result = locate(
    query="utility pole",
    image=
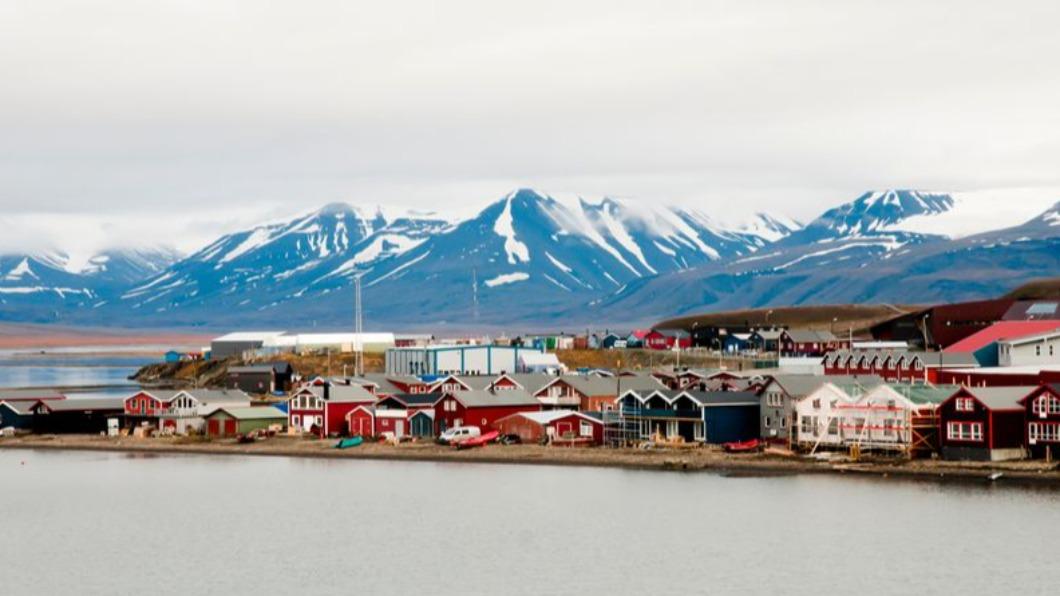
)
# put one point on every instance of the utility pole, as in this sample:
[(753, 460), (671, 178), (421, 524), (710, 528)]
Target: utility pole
[(358, 328)]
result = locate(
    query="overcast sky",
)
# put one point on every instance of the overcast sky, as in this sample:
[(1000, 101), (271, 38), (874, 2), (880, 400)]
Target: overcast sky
[(173, 121)]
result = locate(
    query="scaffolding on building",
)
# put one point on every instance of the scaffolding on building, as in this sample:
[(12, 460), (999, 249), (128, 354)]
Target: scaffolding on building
[(622, 425)]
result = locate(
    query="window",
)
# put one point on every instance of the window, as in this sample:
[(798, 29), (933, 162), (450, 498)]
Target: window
[(833, 426), (817, 404), (806, 425), (296, 420), (965, 404), (767, 422), (585, 429), (1044, 431), (783, 423), (964, 431), (888, 428), (1046, 404), (1037, 350)]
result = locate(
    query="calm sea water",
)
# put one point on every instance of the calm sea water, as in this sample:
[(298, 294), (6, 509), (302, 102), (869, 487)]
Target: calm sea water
[(87, 523), (84, 372)]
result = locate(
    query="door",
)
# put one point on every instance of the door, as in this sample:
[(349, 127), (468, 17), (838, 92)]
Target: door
[(399, 428), (421, 426), (230, 427), (213, 428), (362, 427), (564, 429)]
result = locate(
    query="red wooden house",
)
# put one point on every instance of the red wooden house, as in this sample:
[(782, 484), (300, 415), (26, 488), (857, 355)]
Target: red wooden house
[(983, 424), (322, 409), (1042, 414), (667, 339), (590, 393), (480, 408), (809, 342), (396, 414), (145, 406), (557, 427)]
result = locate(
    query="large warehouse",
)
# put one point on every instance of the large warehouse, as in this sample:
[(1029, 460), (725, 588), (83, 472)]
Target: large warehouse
[(465, 360)]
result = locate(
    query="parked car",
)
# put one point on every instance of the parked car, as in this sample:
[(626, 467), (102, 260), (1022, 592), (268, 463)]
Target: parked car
[(459, 433)]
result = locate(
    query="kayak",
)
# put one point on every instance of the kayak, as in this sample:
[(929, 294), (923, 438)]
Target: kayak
[(350, 442), (741, 446), (478, 441)]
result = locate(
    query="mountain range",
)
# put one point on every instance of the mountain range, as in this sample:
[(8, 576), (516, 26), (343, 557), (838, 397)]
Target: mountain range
[(534, 259)]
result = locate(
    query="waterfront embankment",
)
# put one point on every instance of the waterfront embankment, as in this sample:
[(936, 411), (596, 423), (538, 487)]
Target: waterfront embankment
[(706, 459)]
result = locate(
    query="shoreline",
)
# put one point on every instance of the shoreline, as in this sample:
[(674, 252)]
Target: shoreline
[(670, 460)]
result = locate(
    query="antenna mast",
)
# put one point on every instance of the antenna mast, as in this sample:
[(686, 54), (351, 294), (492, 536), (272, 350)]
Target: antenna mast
[(474, 293)]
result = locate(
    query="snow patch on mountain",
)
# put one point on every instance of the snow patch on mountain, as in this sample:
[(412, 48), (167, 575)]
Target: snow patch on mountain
[(507, 278), (21, 271), (517, 251), (770, 228)]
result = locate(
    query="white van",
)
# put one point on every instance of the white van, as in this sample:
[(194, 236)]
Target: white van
[(459, 433)]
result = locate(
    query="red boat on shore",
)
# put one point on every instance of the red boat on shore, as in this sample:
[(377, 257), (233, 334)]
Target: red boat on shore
[(741, 446), (478, 441)]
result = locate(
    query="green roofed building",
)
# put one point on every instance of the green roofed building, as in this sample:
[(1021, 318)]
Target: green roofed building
[(232, 421)]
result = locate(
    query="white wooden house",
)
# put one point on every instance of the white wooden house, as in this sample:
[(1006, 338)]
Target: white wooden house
[(819, 417)]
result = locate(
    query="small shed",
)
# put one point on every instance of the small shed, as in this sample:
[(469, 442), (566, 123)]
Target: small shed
[(173, 356), (228, 422)]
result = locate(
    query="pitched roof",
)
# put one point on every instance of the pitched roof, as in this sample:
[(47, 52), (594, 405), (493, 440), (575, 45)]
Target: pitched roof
[(29, 394), (507, 397), (21, 408), (999, 331), (678, 333), (417, 399), (1000, 398), (530, 382), (549, 416), (804, 336), (725, 398), (769, 334), (924, 394), (251, 413), (85, 404), (1033, 338), (802, 385), (216, 396)]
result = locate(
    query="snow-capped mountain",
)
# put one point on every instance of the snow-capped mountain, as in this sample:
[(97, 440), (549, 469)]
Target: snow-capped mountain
[(275, 263), (532, 257), (41, 286), (872, 264), (545, 249)]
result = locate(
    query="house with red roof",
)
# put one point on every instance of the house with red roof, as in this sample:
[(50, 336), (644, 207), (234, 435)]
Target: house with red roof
[(984, 344)]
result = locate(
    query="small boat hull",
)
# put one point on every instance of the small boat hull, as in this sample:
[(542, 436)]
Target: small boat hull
[(742, 446), (351, 442), (478, 441)]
